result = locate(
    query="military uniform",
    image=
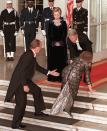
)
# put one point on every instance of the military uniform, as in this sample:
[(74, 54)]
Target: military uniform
[(80, 18), (28, 21), (47, 16), (9, 24)]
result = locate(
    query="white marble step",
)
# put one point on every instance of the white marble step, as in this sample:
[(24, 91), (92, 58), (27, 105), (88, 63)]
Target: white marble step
[(4, 128), (79, 113), (98, 95), (97, 104), (78, 126), (88, 120)]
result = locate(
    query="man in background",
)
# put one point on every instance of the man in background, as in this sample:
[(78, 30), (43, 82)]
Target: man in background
[(9, 26), (29, 22), (77, 43), (80, 18), (47, 16)]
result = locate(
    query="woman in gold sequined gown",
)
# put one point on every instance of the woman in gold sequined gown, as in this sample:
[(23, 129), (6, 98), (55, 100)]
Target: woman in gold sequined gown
[(71, 77)]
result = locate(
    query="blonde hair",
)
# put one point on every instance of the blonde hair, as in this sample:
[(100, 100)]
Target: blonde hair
[(57, 9), (86, 56)]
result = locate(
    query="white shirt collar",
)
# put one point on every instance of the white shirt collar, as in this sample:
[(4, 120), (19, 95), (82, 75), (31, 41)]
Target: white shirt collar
[(9, 10), (51, 8), (77, 41), (78, 8), (30, 9), (34, 53), (78, 45)]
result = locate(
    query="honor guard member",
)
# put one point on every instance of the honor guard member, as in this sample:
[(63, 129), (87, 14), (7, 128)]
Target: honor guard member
[(80, 17), (9, 26), (29, 22), (47, 15)]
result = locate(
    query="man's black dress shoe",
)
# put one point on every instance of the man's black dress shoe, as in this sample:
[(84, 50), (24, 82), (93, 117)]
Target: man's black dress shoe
[(41, 114), (21, 126)]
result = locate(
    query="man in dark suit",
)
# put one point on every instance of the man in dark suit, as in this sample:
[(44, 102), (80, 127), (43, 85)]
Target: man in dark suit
[(77, 43), (9, 26), (29, 22), (21, 84), (80, 17)]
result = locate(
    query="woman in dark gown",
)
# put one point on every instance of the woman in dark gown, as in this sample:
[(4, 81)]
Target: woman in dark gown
[(71, 77), (57, 51)]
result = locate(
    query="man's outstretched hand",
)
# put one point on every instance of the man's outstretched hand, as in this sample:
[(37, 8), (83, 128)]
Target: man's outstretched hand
[(53, 73)]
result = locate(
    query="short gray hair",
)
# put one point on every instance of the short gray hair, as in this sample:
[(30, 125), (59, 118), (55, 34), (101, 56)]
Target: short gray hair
[(72, 32)]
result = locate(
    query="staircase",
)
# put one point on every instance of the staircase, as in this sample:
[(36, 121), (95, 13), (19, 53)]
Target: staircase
[(89, 112)]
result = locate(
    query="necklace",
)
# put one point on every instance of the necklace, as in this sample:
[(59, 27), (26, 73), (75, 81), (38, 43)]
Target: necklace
[(57, 22)]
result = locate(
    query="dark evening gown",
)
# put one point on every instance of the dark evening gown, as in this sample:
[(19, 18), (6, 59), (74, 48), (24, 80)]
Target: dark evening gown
[(57, 48), (71, 77)]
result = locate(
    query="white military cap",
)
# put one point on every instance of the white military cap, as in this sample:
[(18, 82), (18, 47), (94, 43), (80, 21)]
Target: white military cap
[(9, 1)]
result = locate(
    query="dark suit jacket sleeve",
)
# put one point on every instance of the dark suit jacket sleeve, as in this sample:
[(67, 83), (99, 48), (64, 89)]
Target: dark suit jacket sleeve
[(26, 59), (73, 16), (86, 43), (40, 68), (72, 50), (86, 20), (37, 14), (17, 22), (22, 18), (43, 20), (1, 21)]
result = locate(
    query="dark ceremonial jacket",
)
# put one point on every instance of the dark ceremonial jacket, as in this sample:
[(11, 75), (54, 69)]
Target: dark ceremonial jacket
[(80, 19), (29, 21), (46, 17), (7, 19)]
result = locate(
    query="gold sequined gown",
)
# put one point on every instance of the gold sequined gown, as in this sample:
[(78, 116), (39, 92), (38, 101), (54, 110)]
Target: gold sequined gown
[(71, 77)]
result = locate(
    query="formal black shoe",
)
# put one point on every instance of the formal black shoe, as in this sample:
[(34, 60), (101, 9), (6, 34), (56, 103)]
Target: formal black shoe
[(70, 114), (21, 126), (41, 114)]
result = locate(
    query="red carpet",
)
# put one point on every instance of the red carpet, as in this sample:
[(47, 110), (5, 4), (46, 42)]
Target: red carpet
[(98, 77)]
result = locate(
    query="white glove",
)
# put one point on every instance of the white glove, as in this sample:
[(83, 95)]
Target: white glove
[(43, 32), (1, 33), (84, 32), (22, 32), (16, 33)]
